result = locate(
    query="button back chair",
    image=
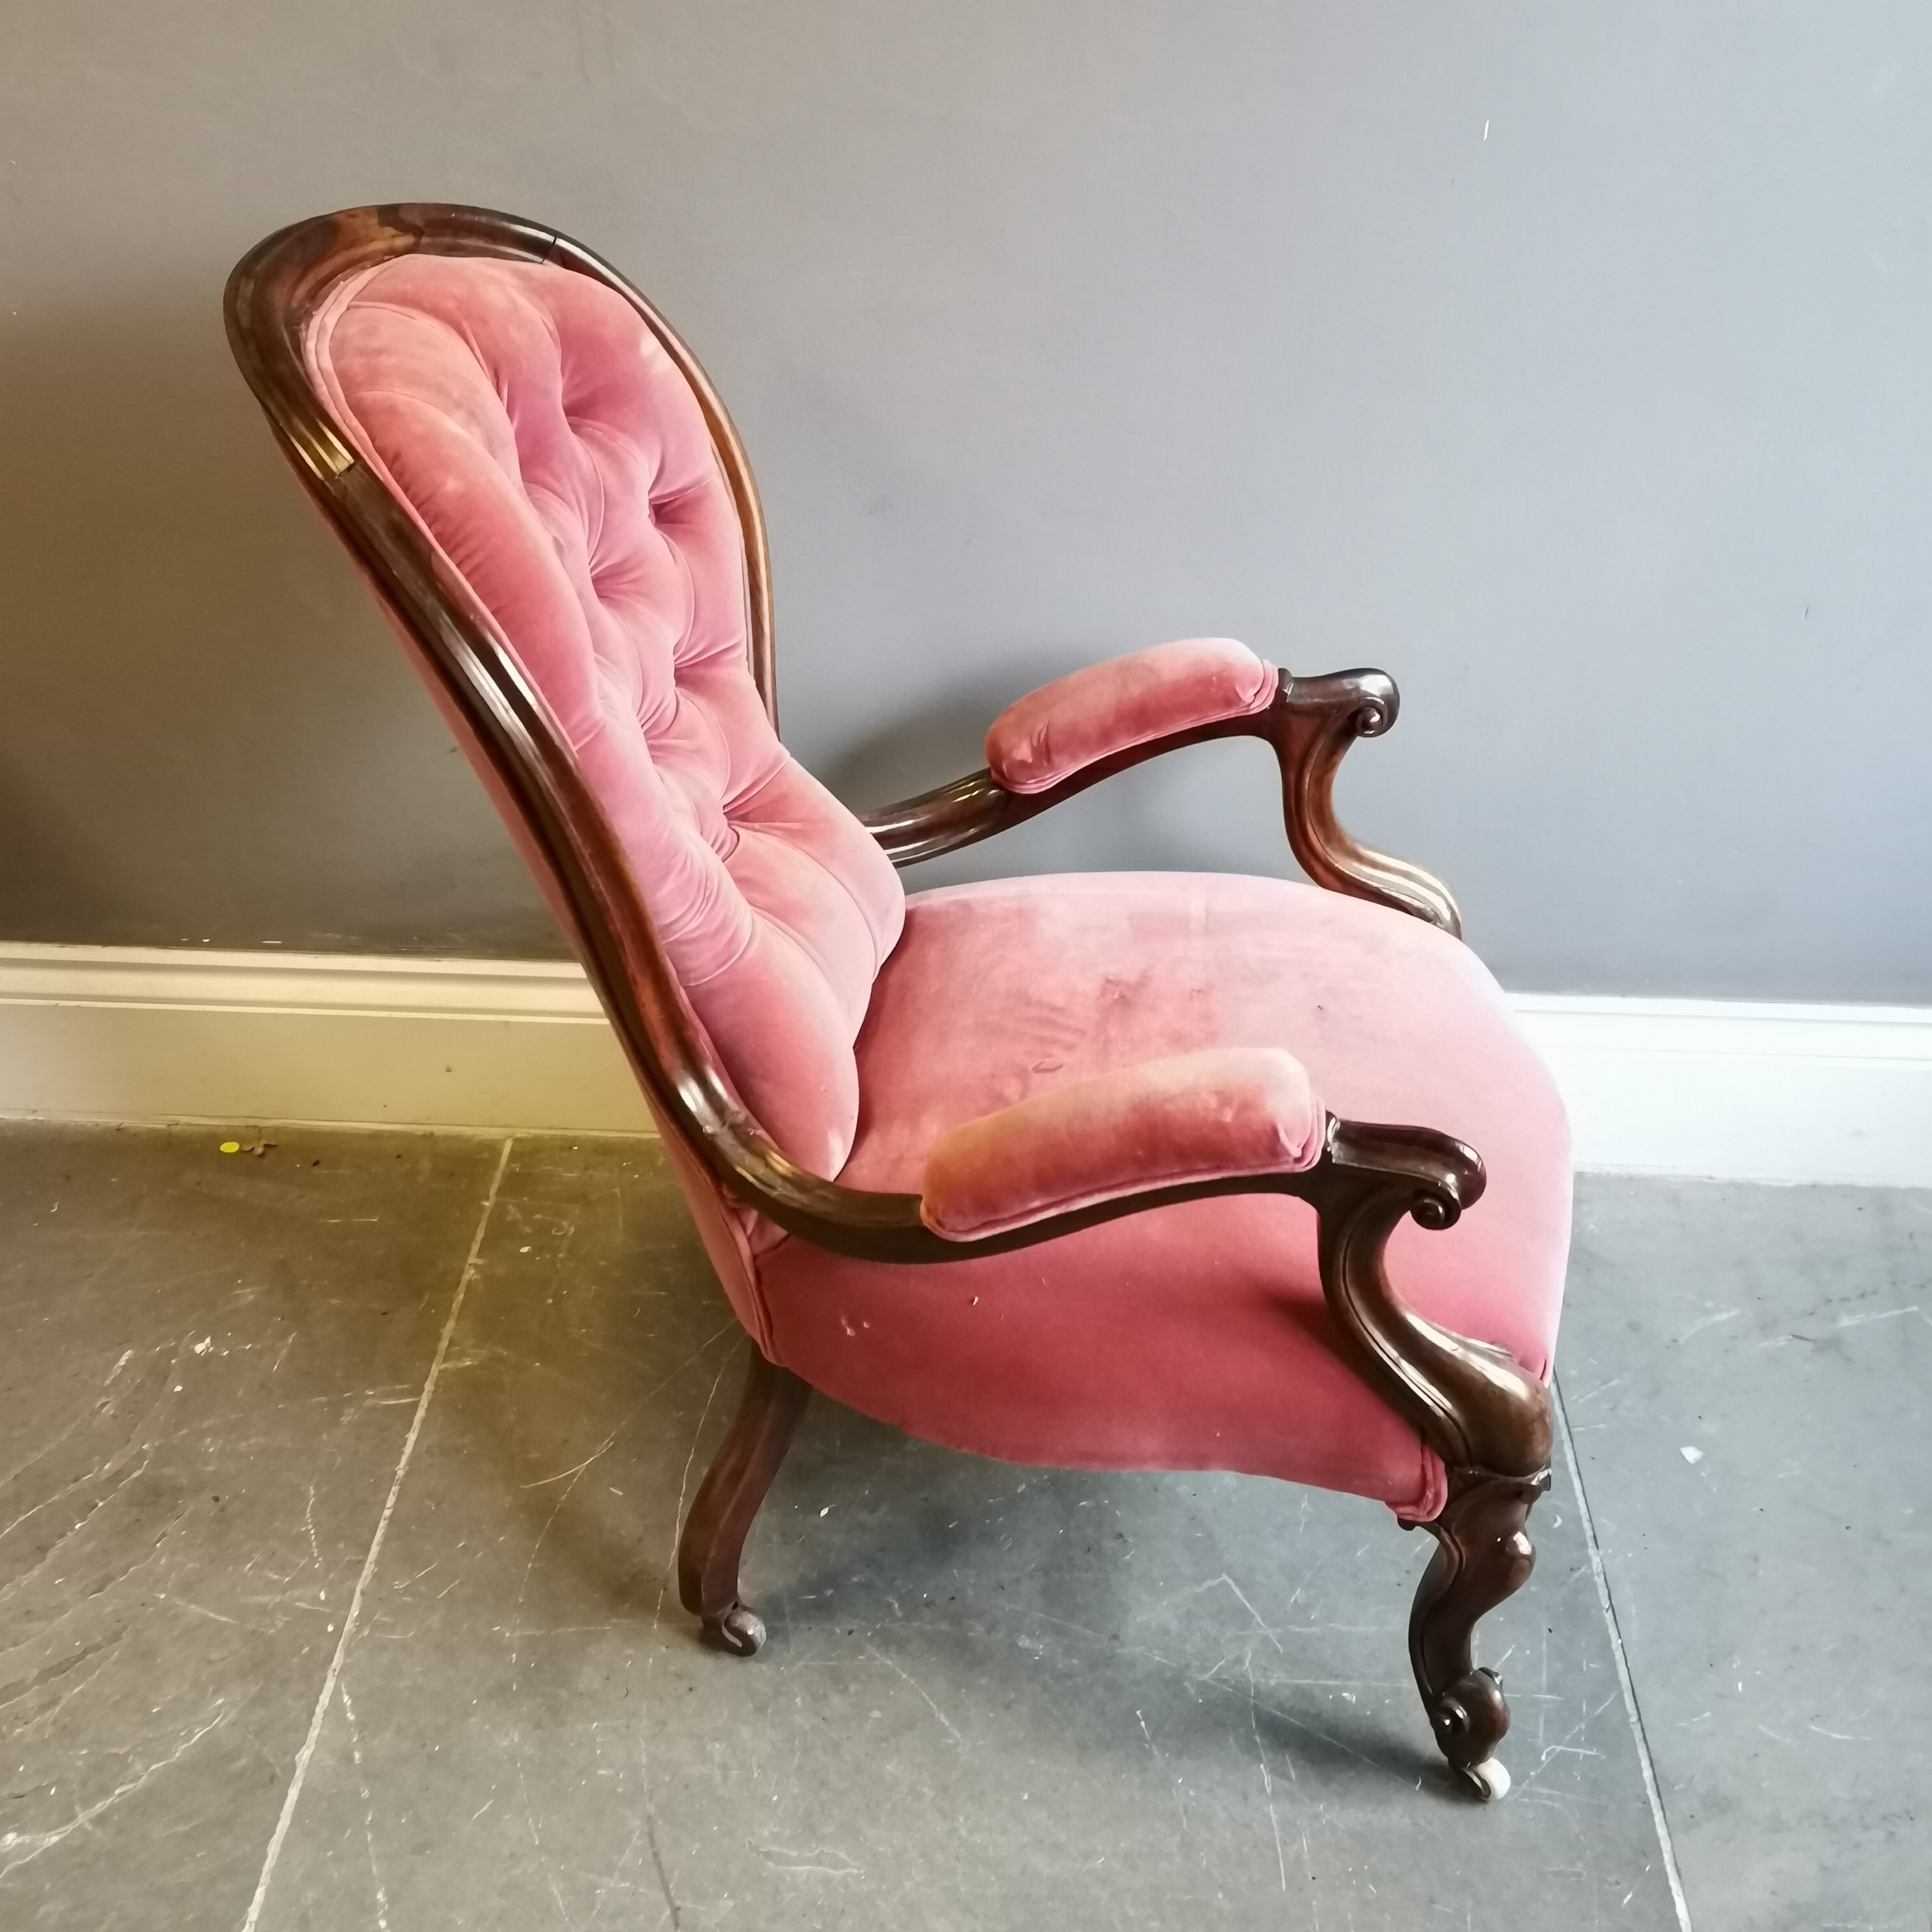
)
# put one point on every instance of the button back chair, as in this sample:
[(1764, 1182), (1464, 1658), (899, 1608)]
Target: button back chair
[(1072, 1171)]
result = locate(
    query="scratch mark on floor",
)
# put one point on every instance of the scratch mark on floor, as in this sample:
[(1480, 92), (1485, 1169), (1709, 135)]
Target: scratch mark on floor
[(897, 1672), (369, 1812), (812, 1861), (1241, 1598), (1600, 1576), (28, 1845), (1267, 1780), (1709, 1321), (305, 1756)]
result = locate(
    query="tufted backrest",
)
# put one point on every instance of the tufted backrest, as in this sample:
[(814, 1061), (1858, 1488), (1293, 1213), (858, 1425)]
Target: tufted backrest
[(543, 437)]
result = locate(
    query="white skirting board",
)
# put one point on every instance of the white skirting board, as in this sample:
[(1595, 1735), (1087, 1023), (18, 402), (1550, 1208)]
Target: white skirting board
[(138, 1034), (1732, 1088), (1741, 1089)]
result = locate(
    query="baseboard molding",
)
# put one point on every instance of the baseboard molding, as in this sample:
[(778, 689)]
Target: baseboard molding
[(1728, 1089), (135, 1034), (1742, 1090)]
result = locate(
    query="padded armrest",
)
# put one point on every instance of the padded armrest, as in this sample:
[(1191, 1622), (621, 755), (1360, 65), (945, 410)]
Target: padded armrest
[(1200, 1117), (1056, 731)]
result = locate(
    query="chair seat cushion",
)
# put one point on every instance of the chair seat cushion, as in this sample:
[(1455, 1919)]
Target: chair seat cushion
[(1194, 1336)]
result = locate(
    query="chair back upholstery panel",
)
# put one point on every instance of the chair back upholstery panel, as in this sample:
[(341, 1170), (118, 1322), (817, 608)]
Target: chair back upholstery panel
[(538, 431)]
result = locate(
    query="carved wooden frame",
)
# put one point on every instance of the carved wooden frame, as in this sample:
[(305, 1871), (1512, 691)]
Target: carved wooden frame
[(1488, 1420)]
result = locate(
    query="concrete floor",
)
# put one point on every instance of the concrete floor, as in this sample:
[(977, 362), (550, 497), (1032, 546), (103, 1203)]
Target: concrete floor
[(340, 1483)]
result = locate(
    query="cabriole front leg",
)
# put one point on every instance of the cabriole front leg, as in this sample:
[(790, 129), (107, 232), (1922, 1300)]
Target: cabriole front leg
[(1486, 1417), (1483, 1554)]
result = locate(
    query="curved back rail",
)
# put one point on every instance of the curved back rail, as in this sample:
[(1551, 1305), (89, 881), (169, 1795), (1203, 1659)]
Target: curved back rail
[(274, 292)]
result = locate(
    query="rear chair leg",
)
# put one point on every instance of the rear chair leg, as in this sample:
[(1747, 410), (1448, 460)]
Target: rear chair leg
[(1483, 1554), (729, 1497)]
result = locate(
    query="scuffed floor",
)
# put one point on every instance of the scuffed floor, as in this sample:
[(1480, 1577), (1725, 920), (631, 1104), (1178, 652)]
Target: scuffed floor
[(339, 1488)]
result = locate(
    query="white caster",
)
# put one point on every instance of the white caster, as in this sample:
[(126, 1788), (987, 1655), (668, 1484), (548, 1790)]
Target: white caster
[(1489, 1780)]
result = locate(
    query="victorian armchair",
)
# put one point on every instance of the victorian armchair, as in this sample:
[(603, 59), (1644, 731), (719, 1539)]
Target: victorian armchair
[(1078, 1171)]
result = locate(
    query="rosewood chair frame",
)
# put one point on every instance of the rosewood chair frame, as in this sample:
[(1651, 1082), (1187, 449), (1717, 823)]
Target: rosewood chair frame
[(1487, 1419)]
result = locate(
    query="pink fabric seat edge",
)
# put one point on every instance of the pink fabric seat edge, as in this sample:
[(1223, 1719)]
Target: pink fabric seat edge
[(1075, 721)]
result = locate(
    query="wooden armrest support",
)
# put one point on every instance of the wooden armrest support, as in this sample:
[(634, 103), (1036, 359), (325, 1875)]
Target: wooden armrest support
[(1310, 723), (1469, 1400)]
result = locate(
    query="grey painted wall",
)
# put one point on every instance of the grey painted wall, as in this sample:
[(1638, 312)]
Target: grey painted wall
[(1571, 363)]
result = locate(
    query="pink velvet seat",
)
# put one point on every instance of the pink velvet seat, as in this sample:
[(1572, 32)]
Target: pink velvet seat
[(1083, 1171), (1195, 1336)]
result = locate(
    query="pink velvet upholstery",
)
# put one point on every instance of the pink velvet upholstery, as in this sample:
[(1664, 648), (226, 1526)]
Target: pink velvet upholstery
[(1075, 721), (544, 441), (1198, 1117), (547, 443), (1195, 1336)]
